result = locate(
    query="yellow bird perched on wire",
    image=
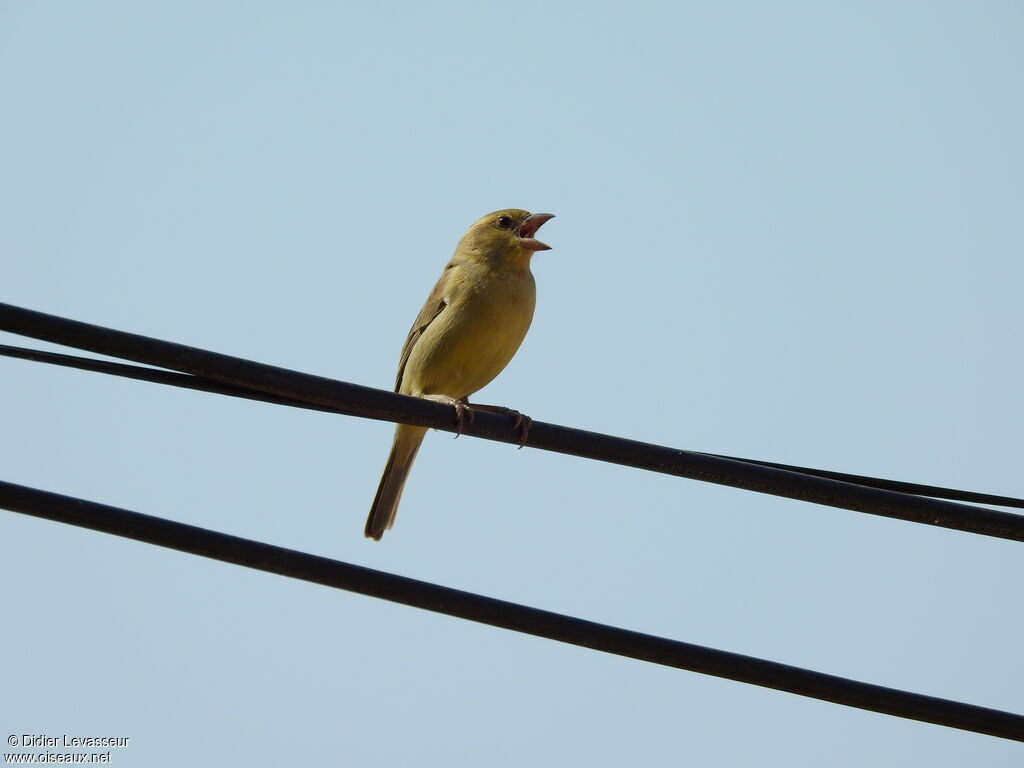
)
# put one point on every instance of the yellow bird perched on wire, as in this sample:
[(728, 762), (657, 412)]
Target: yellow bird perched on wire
[(472, 324)]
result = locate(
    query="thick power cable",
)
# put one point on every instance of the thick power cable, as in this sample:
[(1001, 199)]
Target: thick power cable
[(160, 376), (498, 613), (379, 404)]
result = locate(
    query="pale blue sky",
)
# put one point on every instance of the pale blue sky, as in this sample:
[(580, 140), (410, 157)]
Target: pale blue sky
[(789, 231)]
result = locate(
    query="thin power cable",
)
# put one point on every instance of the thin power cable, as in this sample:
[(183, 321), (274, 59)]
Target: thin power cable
[(160, 376), (388, 406), (901, 486), (512, 616)]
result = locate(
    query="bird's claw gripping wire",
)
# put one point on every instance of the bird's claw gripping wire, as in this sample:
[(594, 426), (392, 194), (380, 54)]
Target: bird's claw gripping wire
[(463, 412), (522, 421)]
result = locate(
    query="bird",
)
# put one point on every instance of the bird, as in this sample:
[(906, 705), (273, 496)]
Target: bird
[(472, 324)]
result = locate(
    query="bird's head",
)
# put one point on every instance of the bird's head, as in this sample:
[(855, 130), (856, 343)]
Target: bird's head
[(506, 237)]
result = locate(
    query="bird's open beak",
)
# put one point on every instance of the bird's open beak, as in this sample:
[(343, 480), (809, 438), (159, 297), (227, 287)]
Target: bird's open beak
[(529, 228)]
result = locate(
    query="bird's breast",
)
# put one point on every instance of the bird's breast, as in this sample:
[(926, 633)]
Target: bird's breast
[(469, 343)]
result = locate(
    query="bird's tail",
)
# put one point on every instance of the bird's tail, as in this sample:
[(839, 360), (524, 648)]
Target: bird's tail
[(389, 492)]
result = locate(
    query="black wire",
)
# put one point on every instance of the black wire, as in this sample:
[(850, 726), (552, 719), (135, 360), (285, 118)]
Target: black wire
[(498, 613), (901, 486), (379, 404), (156, 376), (159, 376)]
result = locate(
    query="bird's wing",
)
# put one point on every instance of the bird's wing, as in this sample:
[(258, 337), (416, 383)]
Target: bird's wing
[(436, 302)]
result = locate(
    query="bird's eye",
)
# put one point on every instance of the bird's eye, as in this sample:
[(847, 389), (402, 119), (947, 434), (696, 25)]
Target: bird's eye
[(504, 222)]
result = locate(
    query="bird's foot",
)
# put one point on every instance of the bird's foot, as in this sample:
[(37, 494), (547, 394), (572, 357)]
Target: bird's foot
[(522, 421), (463, 412)]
